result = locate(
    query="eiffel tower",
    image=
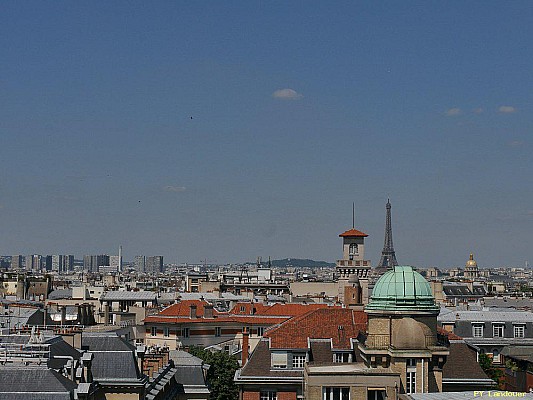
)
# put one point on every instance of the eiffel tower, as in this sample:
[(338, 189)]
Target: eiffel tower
[(388, 256)]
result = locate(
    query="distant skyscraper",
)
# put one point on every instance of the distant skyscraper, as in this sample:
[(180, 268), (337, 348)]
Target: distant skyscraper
[(62, 263), (115, 262), (91, 263), (16, 262), (139, 263), (47, 263), (388, 255), (33, 262), (154, 264)]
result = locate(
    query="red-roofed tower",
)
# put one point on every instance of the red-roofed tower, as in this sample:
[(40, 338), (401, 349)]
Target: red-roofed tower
[(353, 269)]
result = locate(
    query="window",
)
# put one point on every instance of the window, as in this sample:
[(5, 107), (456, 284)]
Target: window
[(154, 331), (376, 394), (341, 357), (410, 381), (495, 355), (243, 308), (166, 332), (218, 331), (336, 393), (268, 395), (279, 360), (353, 249), (519, 331), (497, 330), (298, 360), (260, 330), (477, 330), (185, 332)]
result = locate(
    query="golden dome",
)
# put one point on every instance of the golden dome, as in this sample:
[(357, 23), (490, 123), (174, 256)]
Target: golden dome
[(471, 262)]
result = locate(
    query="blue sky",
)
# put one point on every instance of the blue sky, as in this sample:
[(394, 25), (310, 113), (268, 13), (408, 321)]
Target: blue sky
[(231, 130)]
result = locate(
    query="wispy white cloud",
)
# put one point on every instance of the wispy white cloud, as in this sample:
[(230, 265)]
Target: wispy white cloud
[(453, 111), (287, 94), (507, 109), (175, 189), (516, 143), (478, 110)]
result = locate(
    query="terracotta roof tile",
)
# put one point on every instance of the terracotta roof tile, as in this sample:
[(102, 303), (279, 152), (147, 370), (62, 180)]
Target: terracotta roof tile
[(291, 309), (353, 233), (339, 324), (248, 308), (449, 335), (182, 309)]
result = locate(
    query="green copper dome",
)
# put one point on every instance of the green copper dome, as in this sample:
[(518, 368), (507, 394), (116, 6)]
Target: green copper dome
[(402, 288)]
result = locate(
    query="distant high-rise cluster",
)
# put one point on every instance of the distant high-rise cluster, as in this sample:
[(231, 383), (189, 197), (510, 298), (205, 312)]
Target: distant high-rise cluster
[(154, 264), (92, 263), (62, 263), (139, 263)]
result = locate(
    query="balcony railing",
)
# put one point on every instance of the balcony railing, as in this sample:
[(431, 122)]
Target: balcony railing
[(353, 263), (378, 341)]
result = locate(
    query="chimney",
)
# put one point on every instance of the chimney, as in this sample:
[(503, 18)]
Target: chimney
[(192, 313), (245, 345), (208, 311), (106, 313), (63, 315)]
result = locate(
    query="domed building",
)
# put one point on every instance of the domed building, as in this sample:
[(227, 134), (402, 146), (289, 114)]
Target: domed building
[(402, 331), (471, 269)]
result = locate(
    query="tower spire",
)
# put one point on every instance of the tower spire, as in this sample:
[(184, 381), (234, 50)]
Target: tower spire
[(388, 255)]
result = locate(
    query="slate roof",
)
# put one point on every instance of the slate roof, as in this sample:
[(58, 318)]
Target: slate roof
[(114, 358), (486, 316), (122, 295), (34, 382), (259, 364), (60, 294), (321, 352), (183, 358), (114, 365), (462, 363), (526, 303), (104, 342)]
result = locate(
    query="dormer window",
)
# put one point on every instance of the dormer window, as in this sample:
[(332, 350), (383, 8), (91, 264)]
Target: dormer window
[(341, 357), (279, 360), (298, 361)]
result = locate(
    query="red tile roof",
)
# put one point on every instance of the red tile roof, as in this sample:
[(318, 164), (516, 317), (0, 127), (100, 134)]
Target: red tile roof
[(250, 320), (291, 309), (338, 324), (182, 309), (353, 233), (248, 308), (449, 335)]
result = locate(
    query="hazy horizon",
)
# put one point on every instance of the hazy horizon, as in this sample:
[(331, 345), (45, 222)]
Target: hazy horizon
[(230, 130)]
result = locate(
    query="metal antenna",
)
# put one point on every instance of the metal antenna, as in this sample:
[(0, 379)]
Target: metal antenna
[(353, 215)]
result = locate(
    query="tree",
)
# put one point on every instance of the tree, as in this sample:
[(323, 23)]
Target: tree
[(221, 373), (492, 372)]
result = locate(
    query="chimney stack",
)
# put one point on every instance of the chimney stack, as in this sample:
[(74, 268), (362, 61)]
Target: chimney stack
[(192, 314), (208, 311), (245, 345)]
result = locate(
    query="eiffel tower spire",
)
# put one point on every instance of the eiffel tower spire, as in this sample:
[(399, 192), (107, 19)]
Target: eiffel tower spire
[(388, 256)]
